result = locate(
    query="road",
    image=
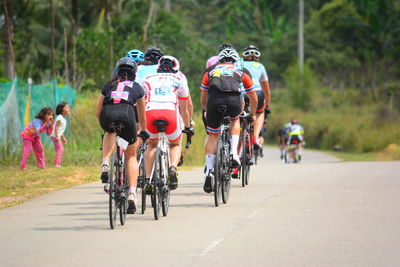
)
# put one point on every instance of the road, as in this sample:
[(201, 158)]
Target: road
[(321, 212)]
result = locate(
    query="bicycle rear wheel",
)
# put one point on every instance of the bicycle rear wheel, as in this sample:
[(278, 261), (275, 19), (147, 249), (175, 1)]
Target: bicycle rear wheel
[(113, 203), (218, 174), (142, 184), (156, 194), (244, 167)]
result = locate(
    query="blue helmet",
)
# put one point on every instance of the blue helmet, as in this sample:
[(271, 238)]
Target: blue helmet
[(136, 55)]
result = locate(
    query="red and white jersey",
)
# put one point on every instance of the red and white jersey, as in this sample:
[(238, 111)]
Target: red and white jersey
[(164, 89)]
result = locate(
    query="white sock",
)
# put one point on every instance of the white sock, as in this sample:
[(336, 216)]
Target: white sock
[(234, 144), (132, 190), (210, 160), (106, 161)]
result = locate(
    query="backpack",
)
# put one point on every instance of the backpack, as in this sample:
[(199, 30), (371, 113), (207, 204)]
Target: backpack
[(225, 78)]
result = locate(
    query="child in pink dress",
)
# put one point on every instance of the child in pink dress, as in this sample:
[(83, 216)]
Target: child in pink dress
[(57, 136), (31, 138)]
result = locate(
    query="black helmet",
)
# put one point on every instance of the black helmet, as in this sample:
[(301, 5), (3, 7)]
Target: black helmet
[(153, 54), (251, 51), (223, 46), (126, 68)]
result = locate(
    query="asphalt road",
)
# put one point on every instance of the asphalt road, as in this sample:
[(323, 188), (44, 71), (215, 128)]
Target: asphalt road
[(321, 212)]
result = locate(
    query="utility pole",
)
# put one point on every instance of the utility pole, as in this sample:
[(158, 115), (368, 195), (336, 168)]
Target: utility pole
[(301, 35)]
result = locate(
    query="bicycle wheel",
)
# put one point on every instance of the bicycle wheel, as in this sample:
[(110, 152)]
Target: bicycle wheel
[(113, 205), (244, 167), (250, 153), (226, 184), (218, 174), (156, 194), (124, 190), (142, 183), (165, 191)]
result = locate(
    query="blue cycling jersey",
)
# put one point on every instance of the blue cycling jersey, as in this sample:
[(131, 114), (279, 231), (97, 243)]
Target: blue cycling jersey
[(145, 70), (257, 71)]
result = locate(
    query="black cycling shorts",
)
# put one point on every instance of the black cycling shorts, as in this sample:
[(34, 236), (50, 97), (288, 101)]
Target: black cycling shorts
[(214, 119), (261, 102), (123, 113), (294, 139)]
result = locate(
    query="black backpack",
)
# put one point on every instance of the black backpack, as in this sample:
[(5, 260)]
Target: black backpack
[(225, 80)]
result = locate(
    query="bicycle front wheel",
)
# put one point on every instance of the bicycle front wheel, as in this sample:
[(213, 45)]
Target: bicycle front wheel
[(113, 203), (156, 194), (124, 190)]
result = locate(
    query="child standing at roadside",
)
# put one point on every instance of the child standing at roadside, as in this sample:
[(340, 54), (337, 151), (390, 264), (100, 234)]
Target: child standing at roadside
[(31, 138), (57, 136)]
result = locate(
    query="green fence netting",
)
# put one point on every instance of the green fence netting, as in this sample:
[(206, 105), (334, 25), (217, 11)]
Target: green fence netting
[(19, 104)]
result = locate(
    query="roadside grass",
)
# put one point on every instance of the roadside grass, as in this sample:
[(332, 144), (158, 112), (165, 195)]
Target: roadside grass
[(19, 186)]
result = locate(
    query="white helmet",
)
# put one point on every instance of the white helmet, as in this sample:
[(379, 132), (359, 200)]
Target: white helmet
[(169, 61), (228, 54)]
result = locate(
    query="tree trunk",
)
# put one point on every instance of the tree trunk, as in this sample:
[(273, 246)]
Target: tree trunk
[(75, 31), (168, 5), (149, 19), (10, 60), (66, 67), (52, 37)]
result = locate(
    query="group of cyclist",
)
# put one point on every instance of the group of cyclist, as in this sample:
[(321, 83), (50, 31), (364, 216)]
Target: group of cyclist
[(149, 86), (291, 141)]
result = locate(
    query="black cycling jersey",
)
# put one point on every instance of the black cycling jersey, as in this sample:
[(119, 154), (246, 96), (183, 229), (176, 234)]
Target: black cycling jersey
[(130, 93)]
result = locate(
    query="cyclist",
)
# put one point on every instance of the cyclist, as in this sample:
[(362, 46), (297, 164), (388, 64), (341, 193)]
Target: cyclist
[(283, 137), (213, 95), (296, 132), (167, 97), (135, 55), (115, 104), (259, 75)]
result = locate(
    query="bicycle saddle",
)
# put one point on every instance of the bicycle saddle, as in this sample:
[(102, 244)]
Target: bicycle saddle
[(160, 124)]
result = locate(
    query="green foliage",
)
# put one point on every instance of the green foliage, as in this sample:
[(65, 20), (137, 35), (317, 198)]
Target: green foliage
[(301, 86)]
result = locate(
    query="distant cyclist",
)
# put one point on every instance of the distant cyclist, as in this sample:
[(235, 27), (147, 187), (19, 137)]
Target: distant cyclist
[(259, 75), (214, 95), (283, 137), (296, 132), (167, 99), (115, 105), (134, 54)]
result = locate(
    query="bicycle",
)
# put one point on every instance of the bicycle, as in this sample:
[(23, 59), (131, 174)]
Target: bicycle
[(160, 195), (142, 182), (246, 147), (118, 183), (222, 167)]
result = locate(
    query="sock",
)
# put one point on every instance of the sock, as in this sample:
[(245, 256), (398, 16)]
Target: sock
[(234, 144), (210, 160), (106, 161), (132, 190)]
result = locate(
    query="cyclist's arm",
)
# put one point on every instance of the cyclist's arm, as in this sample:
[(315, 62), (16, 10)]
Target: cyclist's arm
[(99, 105), (204, 91), (251, 92), (267, 92), (141, 107), (184, 108)]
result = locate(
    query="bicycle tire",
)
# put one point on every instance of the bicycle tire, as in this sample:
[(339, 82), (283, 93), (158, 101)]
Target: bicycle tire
[(165, 193), (113, 206), (226, 185), (124, 187), (244, 166), (218, 174), (156, 196), (142, 183), (250, 152)]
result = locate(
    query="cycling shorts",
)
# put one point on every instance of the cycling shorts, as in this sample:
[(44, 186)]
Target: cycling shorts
[(120, 113), (295, 139), (261, 100), (174, 128), (213, 117)]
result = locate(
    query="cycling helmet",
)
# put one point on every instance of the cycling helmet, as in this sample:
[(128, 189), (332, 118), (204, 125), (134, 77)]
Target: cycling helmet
[(153, 54), (136, 55), (126, 68), (223, 46), (168, 64), (228, 55), (294, 121), (251, 51)]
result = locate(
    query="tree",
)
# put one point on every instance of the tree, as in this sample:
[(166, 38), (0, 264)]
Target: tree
[(8, 24)]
